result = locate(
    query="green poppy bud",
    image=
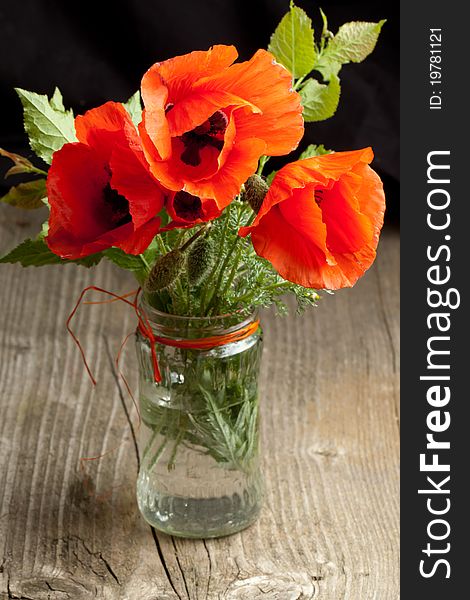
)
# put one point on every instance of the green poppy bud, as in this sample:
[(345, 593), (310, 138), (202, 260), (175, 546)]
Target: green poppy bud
[(256, 189), (200, 259), (165, 271)]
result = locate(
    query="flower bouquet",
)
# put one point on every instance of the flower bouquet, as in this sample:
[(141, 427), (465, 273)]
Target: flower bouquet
[(179, 192)]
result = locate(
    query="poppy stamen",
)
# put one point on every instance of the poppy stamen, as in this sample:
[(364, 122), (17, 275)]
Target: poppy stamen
[(206, 134), (187, 206), (116, 207)]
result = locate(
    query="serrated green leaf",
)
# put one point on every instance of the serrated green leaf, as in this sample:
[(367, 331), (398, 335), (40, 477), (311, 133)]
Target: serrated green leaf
[(319, 100), (134, 108), (139, 265), (292, 43), (353, 43), (87, 261), (314, 150), (31, 253), (57, 102), (48, 128), (36, 253), (123, 260), (28, 196)]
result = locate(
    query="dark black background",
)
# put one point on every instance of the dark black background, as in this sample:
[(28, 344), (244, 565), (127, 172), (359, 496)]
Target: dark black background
[(98, 50)]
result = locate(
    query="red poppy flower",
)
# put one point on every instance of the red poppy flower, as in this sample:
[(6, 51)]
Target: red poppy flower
[(320, 221), (187, 210), (207, 121), (100, 189)]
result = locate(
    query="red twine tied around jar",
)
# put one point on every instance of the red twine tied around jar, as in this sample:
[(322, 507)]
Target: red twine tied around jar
[(146, 330)]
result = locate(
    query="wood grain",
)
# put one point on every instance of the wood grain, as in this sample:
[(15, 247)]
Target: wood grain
[(329, 529)]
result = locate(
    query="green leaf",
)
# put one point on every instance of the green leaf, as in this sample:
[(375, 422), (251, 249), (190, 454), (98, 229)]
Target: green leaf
[(36, 253), (319, 100), (27, 195), (31, 253), (353, 43), (134, 108), (152, 252), (57, 102), (47, 126), (123, 260), (292, 43), (324, 19), (314, 150), (270, 177), (87, 261)]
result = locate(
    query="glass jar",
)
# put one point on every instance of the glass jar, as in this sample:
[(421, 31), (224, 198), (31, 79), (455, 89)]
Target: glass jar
[(199, 444)]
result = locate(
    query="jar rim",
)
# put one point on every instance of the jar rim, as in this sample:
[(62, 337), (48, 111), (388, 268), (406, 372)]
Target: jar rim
[(216, 322)]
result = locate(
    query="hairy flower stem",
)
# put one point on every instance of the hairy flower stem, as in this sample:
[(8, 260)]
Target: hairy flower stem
[(144, 262), (214, 300), (161, 244), (262, 163), (231, 277), (194, 237), (213, 272), (179, 285), (228, 256), (188, 294)]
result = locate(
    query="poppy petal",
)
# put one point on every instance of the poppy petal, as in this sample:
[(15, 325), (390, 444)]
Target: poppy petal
[(132, 179), (154, 129), (139, 240), (239, 164), (182, 72), (75, 185), (105, 126), (200, 105), (170, 82), (268, 86), (348, 229), (291, 254), (135, 242)]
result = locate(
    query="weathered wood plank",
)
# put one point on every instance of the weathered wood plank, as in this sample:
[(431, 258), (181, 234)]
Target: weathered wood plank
[(330, 434)]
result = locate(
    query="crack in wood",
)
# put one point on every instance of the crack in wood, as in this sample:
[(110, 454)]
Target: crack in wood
[(86, 565), (163, 561), (210, 568), (180, 568), (108, 567), (11, 595)]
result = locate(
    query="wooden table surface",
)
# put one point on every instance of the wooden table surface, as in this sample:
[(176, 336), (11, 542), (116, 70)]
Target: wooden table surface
[(329, 528)]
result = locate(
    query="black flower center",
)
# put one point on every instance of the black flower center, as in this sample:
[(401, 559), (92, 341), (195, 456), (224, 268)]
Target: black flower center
[(209, 133), (187, 206), (116, 207)]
